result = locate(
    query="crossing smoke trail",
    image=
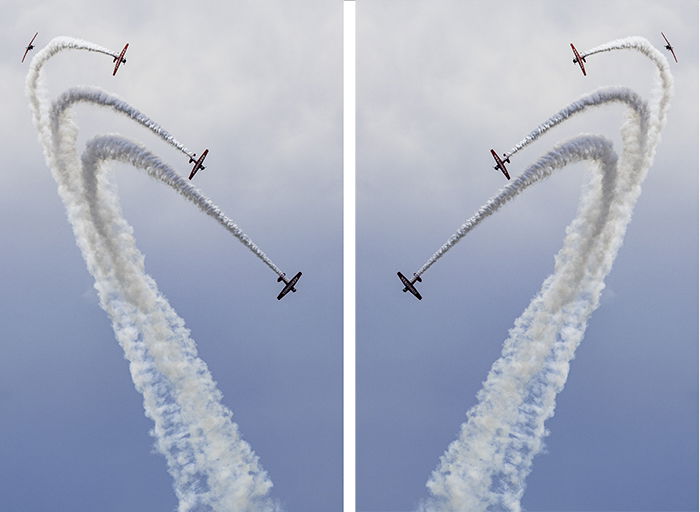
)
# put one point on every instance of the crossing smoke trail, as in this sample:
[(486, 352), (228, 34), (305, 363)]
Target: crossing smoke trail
[(597, 98), (212, 467), (217, 457), (96, 96), (58, 115), (56, 45), (662, 93), (485, 468), (637, 111)]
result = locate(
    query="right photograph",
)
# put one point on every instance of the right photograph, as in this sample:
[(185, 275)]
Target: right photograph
[(527, 256)]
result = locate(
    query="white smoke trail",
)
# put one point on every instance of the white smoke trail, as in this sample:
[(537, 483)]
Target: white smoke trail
[(200, 431), (596, 98), (96, 96), (212, 467), (58, 115), (485, 468), (33, 81), (482, 456), (638, 113)]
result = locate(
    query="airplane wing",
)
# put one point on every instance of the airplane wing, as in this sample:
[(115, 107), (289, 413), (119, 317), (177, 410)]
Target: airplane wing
[(669, 47), (29, 46), (578, 59), (120, 59)]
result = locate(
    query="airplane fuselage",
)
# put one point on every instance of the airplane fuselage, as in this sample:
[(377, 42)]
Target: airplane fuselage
[(578, 59), (500, 165), (198, 164), (288, 284), (119, 59), (409, 285)]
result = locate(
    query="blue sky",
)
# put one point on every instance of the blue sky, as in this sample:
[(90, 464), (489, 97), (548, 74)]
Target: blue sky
[(259, 84), (439, 84)]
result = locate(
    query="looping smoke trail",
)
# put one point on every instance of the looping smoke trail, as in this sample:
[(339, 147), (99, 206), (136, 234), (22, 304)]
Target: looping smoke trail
[(59, 114), (212, 467), (486, 467), (118, 149), (56, 45), (596, 98), (664, 91), (641, 45), (638, 112), (585, 146), (99, 97)]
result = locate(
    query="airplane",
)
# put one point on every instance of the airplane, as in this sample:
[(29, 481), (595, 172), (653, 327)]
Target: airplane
[(120, 59), (670, 48), (288, 284), (29, 46), (501, 164), (408, 285), (198, 164), (578, 59)]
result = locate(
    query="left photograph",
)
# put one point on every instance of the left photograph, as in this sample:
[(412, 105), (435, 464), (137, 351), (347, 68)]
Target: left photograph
[(172, 267)]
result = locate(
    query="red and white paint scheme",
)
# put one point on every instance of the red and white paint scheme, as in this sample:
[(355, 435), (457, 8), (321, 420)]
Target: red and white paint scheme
[(120, 59)]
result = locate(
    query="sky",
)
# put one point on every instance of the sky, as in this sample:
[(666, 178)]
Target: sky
[(259, 85), (439, 84)]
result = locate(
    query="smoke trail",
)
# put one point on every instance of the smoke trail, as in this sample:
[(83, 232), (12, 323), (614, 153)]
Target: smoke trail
[(58, 115), (596, 98), (664, 90), (212, 467), (481, 470), (96, 96), (33, 82), (200, 429), (485, 468), (638, 113)]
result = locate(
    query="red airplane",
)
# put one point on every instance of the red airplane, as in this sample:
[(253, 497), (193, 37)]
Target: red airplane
[(29, 46), (288, 285), (501, 164), (120, 59), (578, 59), (198, 164), (670, 48), (408, 285)]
